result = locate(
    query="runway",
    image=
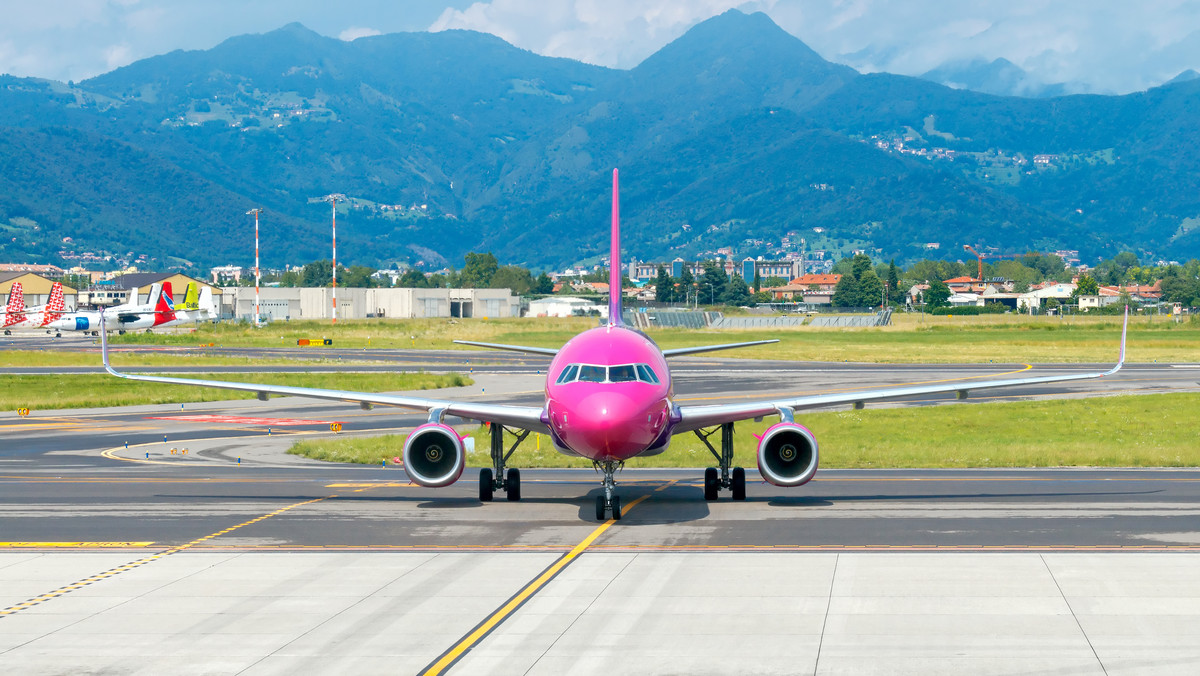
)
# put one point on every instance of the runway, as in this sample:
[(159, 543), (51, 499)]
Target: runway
[(118, 562)]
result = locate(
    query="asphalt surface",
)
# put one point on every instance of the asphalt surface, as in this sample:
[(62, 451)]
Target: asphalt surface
[(122, 556)]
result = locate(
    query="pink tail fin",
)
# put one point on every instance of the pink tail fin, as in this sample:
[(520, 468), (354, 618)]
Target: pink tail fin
[(614, 262)]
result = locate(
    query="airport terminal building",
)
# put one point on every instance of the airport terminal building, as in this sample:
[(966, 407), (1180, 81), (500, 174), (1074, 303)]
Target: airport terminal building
[(285, 303)]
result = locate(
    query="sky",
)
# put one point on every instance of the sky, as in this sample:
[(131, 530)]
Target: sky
[(1104, 46)]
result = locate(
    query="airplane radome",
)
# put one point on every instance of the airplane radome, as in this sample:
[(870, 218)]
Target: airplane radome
[(609, 398)]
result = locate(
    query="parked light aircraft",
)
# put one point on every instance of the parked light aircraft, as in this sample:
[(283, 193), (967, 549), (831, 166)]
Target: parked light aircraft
[(608, 398), (17, 316)]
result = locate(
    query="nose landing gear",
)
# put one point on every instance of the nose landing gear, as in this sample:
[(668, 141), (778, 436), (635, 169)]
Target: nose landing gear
[(608, 501)]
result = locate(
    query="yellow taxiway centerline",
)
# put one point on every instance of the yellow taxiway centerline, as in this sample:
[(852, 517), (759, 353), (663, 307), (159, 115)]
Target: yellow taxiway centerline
[(467, 642)]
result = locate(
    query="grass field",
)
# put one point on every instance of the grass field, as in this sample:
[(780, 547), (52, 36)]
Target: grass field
[(96, 390), (1125, 431), (911, 338), (17, 358)]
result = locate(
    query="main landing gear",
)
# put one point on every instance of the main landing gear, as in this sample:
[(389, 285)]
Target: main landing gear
[(723, 476), (608, 501), (494, 478)]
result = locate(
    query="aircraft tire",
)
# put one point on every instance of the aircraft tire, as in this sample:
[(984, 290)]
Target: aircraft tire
[(616, 508), (710, 483), (485, 485), (513, 485), (600, 508), (739, 483)]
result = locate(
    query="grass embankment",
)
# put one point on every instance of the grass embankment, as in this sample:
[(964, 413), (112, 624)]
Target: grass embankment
[(1125, 431), (97, 390), (910, 339)]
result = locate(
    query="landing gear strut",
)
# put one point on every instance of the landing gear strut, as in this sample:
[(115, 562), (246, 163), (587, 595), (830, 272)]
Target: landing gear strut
[(724, 475), (608, 501), (496, 478)]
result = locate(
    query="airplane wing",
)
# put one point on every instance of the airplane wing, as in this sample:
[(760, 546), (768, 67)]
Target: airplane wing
[(523, 417), (698, 417), (548, 351), (680, 351)]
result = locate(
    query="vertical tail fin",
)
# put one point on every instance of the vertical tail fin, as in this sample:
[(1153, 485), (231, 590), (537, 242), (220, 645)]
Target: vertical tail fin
[(164, 310), (14, 312), (153, 296), (16, 299), (191, 300), (207, 307), (614, 261), (56, 306)]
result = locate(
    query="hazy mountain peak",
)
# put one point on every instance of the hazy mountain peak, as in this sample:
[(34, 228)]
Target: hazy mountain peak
[(998, 76), (1186, 76)]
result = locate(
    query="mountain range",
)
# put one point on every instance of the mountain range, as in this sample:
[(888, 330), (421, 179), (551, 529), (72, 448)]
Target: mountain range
[(734, 135)]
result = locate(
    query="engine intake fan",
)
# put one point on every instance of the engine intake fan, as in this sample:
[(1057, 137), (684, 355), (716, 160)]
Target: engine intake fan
[(434, 455), (787, 454)]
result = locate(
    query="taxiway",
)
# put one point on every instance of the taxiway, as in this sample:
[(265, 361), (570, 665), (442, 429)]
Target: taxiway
[(131, 560)]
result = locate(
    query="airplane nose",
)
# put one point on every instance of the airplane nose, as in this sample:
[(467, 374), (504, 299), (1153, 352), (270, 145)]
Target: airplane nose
[(610, 425)]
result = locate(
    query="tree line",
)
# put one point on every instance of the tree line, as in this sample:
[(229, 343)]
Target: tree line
[(864, 283)]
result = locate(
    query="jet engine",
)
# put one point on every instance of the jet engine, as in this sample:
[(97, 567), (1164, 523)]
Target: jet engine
[(434, 455), (787, 454)]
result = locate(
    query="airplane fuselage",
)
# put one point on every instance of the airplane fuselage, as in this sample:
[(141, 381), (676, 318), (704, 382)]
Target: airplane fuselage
[(608, 395)]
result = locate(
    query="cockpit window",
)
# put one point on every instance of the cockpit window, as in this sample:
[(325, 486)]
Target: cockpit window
[(646, 374), (568, 374), (592, 374), (620, 373)]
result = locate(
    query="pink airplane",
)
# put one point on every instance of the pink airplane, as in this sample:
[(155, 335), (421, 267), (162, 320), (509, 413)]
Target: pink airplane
[(609, 399)]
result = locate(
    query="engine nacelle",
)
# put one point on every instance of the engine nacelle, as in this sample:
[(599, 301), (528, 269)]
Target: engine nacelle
[(434, 455), (787, 454)]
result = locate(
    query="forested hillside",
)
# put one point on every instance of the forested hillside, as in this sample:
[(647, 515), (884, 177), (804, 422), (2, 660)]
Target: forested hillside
[(733, 135)]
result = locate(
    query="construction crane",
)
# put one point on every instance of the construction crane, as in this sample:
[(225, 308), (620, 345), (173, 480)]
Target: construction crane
[(967, 247), (980, 257)]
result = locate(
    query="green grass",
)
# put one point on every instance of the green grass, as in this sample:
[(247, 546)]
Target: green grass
[(911, 338), (97, 390), (1123, 431), (18, 358)]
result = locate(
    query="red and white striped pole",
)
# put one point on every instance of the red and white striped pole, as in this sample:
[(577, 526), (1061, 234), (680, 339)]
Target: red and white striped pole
[(257, 275), (335, 260), (333, 200)]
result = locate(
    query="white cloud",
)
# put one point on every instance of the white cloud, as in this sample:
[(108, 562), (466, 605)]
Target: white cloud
[(118, 55), (617, 33), (1111, 45), (355, 32)]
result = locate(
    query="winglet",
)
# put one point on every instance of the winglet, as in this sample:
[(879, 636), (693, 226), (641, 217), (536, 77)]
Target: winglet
[(1121, 357), (104, 347), (614, 261)]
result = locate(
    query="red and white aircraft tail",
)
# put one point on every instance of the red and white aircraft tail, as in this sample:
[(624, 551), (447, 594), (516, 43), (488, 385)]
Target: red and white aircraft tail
[(14, 311), (55, 307), (164, 309)]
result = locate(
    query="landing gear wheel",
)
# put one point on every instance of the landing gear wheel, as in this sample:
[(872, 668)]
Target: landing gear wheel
[(710, 483), (600, 508), (616, 508), (485, 485), (739, 483), (513, 485)]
